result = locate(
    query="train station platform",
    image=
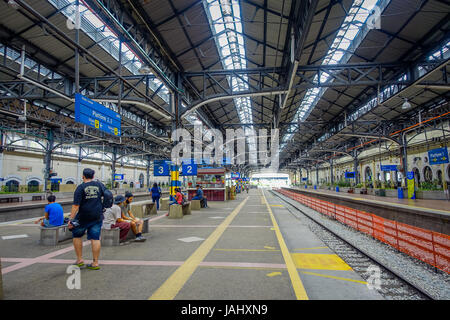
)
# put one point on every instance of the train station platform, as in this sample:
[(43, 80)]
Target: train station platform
[(28, 209), (250, 248), (428, 214)]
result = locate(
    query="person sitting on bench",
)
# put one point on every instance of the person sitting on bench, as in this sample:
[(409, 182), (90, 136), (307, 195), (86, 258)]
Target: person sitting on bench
[(136, 223), (113, 218), (178, 197), (199, 196), (54, 214)]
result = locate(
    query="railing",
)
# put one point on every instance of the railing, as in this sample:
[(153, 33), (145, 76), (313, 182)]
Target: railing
[(426, 245)]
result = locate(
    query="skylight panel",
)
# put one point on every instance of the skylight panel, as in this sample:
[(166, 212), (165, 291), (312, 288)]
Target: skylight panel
[(105, 38), (352, 26)]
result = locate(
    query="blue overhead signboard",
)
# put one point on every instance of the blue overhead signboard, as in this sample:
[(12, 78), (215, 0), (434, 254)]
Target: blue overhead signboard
[(438, 156), (118, 177), (189, 169), (97, 116), (389, 167), (235, 175), (161, 168), (350, 175)]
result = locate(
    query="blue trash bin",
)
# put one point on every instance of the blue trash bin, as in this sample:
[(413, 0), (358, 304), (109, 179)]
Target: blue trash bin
[(400, 193), (315, 187), (306, 187), (337, 189)]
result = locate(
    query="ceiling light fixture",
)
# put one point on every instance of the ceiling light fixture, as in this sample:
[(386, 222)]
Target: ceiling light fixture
[(406, 104)]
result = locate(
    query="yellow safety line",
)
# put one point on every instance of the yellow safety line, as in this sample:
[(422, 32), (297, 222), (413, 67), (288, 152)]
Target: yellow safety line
[(297, 284), (249, 250), (332, 277), (170, 288)]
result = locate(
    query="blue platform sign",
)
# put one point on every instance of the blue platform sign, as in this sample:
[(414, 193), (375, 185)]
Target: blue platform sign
[(118, 177), (389, 167), (161, 168), (304, 179), (350, 175), (189, 169), (438, 156), (97, 116), (56, 180), (235, 175)]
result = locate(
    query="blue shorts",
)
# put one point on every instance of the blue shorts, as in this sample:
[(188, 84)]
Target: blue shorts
[(47, 224), (93, 230)]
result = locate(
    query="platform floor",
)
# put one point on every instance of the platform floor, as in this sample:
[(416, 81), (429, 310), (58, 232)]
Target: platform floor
[(248, 248), (438, 205)]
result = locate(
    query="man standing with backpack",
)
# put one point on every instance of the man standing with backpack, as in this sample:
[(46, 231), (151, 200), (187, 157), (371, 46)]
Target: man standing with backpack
[(87, 215)]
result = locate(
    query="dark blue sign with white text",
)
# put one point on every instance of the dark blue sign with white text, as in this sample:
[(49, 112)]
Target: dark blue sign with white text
[(97, 116), (438, 156)]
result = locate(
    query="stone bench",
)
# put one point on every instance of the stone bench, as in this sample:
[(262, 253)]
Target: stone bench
[(141, 209), (111, 237), (164, 205), (195, 205), (177, 211), (186, 208), (51, 236)]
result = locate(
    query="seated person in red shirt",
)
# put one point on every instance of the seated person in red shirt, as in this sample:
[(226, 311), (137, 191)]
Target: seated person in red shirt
[(178, 197)]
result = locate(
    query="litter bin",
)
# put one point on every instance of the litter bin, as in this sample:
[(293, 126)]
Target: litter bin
[(306, 187), (315, 187), (400, 192), (337, 189)]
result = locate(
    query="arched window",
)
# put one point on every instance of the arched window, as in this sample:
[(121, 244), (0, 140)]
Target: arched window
[(131, 184), (54, 186), (439, 177), (141, 179), (427, 174), (69, 182), (33, 186), (12, 186)]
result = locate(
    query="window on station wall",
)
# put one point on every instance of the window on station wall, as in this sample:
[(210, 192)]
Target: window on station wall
[(12, 186), (368, 174), (131, 184), (33, 186), (54, 186), (427, 174), (69, 182), (141, 179), (439, 177)]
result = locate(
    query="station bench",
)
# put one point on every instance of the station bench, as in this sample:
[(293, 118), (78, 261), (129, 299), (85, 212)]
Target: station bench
[(111, 237), (177, 211), (52, 236), (164, 203), (195, 204), (144, 208), (11, 199)]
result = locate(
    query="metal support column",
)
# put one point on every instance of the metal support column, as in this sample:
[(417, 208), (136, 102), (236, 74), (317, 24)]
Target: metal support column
[(48, 158), (113, 166)]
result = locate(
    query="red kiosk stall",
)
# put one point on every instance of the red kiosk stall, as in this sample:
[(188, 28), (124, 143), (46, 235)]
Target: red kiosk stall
[(212, 181)]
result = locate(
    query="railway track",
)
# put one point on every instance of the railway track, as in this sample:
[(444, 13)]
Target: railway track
[(392, 284)]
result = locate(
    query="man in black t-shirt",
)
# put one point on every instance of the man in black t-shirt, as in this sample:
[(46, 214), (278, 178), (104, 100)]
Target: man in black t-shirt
[(88, 208)]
